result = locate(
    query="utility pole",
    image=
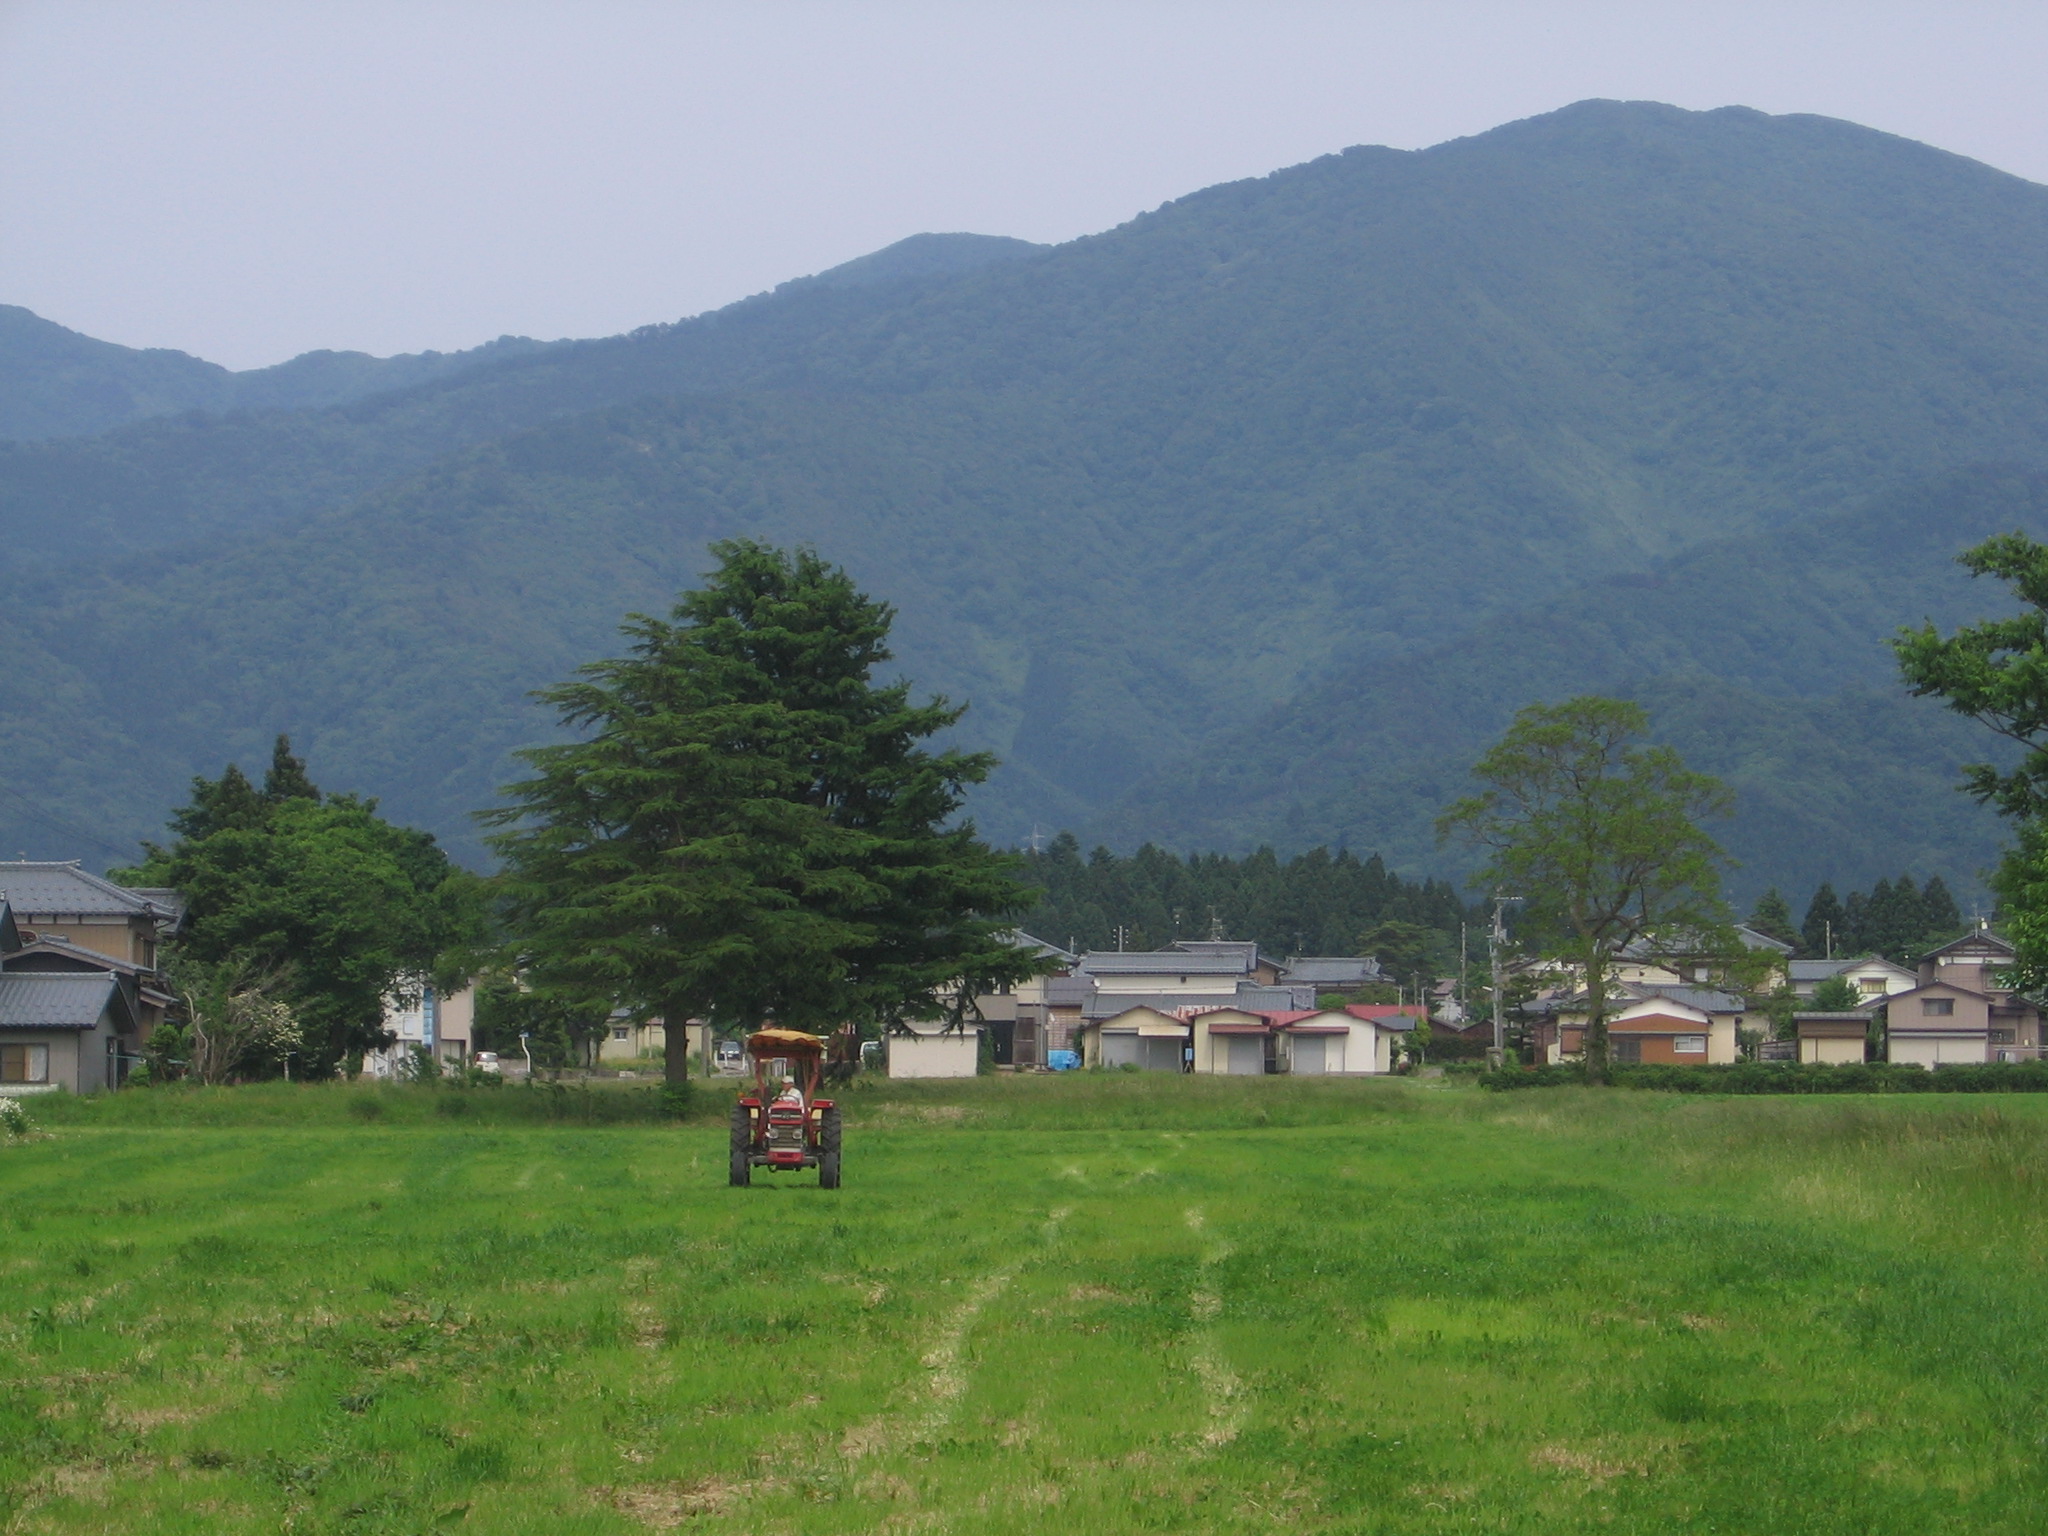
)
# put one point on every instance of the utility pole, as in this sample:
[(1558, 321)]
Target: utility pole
[(1496, 937)]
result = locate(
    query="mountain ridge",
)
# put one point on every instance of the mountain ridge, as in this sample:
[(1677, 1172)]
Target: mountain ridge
[(1131, 494)]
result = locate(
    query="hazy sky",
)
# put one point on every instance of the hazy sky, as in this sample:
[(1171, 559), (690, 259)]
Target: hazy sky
[(247, 181)]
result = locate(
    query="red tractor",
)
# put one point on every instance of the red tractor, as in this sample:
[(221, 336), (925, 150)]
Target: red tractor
[(777, 1127)]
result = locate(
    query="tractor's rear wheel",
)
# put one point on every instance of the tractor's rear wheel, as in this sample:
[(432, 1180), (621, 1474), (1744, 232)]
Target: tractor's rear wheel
[(828, 1170), (742, 1146)]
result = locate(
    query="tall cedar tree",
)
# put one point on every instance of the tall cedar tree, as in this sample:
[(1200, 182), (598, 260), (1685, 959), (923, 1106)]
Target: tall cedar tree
[(1597, 834), (749, 828), (1821, 934), (345, 909), (1773, 917), (1996, 672)]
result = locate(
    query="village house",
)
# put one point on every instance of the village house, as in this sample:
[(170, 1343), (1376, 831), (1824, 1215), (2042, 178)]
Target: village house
[(1873, 976), (1670, 1023), (61, 1029), (1226, 1039), (1832, 1039), (425, 1021), (76, 923), (1959, 1012), (1663, 963)]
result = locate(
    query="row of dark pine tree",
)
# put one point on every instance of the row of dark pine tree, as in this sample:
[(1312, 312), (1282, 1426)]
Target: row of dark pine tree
[(1897, 919), (1316, 903)]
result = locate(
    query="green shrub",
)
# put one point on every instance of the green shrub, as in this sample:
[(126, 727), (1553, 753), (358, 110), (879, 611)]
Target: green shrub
[(1755, 1077)]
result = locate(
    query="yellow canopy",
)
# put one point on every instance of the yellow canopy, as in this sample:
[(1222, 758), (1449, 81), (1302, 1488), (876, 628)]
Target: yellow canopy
[(784, 1042)]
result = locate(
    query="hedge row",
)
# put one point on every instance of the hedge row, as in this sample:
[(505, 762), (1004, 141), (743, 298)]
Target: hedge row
[(1783, 1077)]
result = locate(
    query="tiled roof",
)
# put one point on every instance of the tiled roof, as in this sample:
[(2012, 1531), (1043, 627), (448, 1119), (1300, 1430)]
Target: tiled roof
[(1107, 1005), (1019, 939), (65, 889), (1816, 970), (76, 956), (56, 999), (1325, 969), (1706, 999), (1160, 962), (1065, 991)]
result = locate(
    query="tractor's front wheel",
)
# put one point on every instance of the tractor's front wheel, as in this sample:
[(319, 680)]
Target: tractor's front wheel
[(742, 1146)]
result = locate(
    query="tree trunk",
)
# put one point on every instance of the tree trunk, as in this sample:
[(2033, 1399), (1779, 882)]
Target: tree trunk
[(1595, 1043), (675, 1054)]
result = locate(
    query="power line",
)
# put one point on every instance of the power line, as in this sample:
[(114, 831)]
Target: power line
[(56, 823)]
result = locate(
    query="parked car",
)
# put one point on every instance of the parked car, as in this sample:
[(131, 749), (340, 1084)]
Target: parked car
[(487, 1061), (727, 1056)]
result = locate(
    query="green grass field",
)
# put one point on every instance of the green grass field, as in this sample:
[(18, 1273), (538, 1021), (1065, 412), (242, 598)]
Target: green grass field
[(1082, 1304)]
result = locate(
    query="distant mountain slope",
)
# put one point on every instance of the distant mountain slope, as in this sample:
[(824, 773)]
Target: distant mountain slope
[(1131, 493), (56, 383), (921, 256), (1763, 659)]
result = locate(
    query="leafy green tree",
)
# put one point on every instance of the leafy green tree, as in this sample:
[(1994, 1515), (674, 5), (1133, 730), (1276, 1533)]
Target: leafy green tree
[(1821, 933), (1836, 995), (336, 907), (559, 1034), (749, 828), (1408, 952), (1771, 916), (1598, 833), (1996, 672)]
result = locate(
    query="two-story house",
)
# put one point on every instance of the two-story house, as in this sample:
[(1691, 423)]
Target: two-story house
[(72, 1030), (1959, 1012), (75, 923)]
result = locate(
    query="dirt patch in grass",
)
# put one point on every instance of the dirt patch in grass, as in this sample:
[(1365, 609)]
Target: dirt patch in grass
[(1587, 1463), (664, 1506)]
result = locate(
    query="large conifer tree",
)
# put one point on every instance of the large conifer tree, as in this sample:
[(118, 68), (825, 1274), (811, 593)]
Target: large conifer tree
[(750, 827)]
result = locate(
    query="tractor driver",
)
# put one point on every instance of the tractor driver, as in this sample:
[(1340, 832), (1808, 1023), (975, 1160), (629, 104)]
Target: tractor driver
[(791, 1094)]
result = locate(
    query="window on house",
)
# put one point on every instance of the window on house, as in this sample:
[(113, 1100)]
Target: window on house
[(1689, 1045), (1937, 1007), (24, 1063), (1870, 983), (2001, 1037), (622, 1034), (1625, 1049)]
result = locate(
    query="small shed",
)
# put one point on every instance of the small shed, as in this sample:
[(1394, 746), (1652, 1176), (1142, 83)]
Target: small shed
[(67, 1030), (1832, 1039), (1236, 1042), (930, 1050), (1141, 1037)]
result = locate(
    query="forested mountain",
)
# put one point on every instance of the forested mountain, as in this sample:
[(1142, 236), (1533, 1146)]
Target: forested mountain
[(1761, 658), (56, 383), (1245, 520)]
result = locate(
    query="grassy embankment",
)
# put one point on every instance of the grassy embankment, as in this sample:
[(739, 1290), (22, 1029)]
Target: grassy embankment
[(1086, 1305)]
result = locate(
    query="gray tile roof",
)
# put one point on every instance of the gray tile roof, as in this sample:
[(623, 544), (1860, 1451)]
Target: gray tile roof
[(1706, 999), (1161, 962), (1328, 970), (1816, 970), (59, 955), (56, 999), (1107, 1005), (1065, 991), (1016, 937), (33, 887)]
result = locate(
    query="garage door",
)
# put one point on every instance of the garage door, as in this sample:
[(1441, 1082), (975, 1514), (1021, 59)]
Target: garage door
[(1162, 1054), (1308, 1055), (1247, 1055)]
